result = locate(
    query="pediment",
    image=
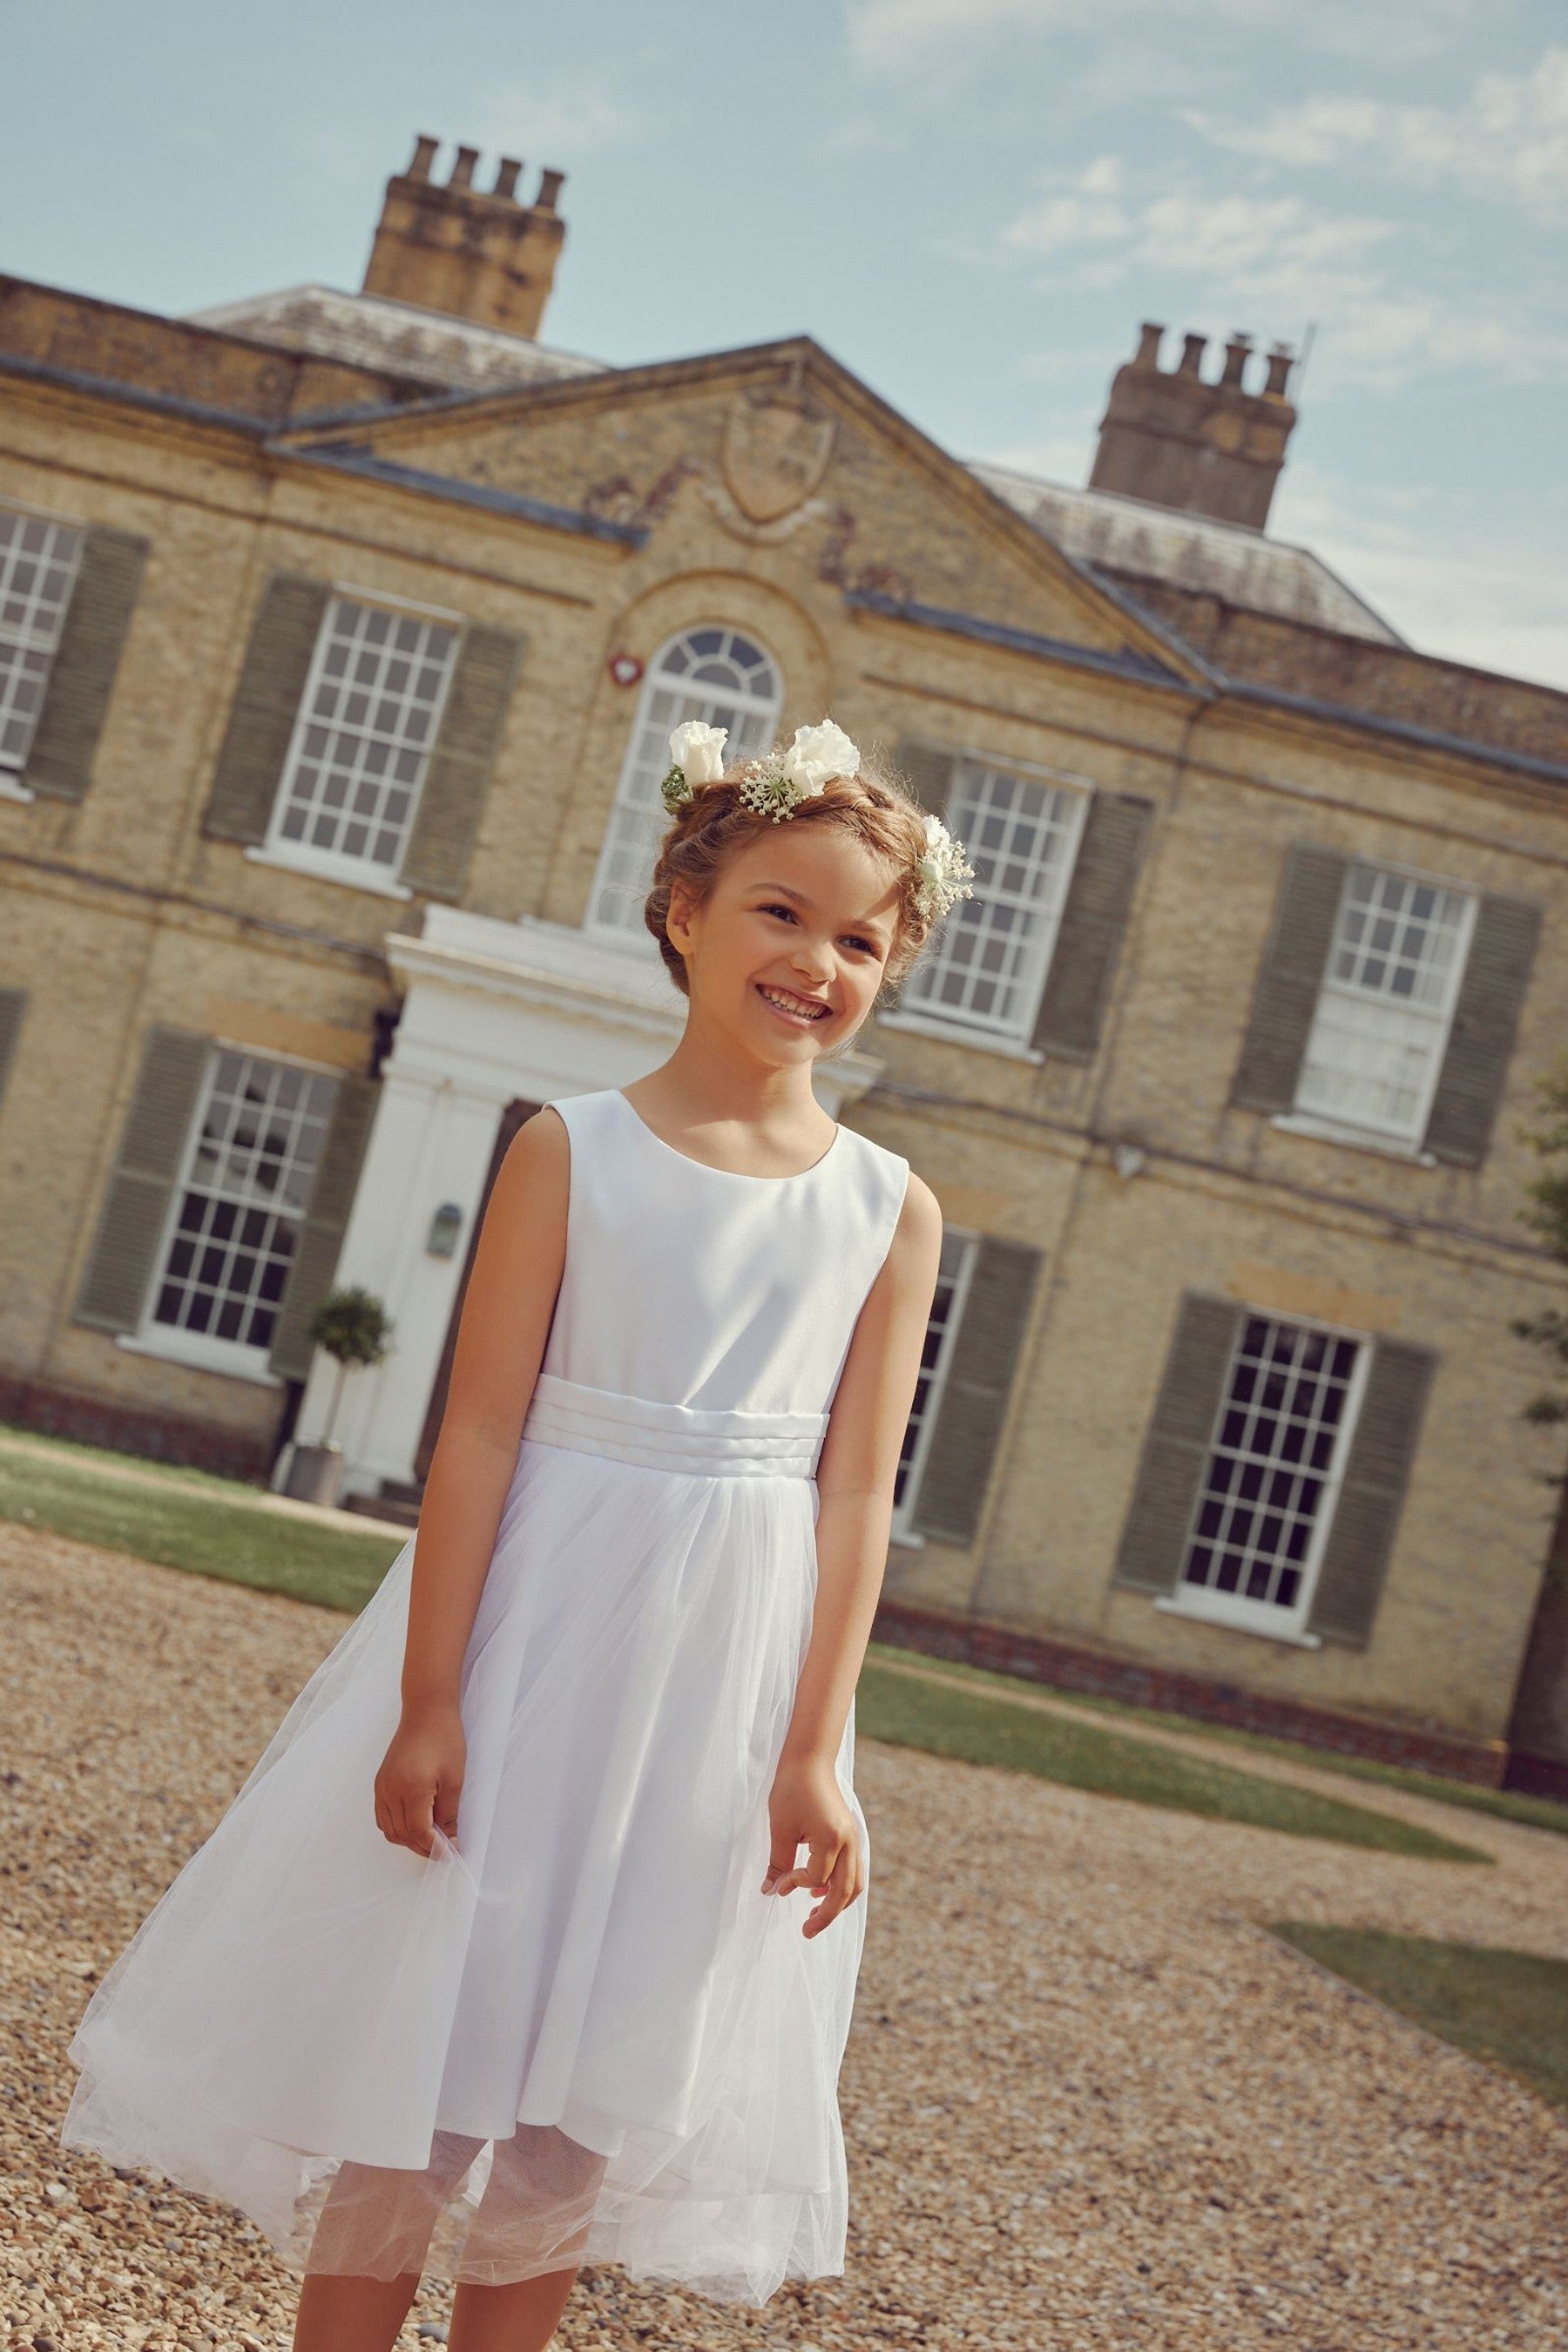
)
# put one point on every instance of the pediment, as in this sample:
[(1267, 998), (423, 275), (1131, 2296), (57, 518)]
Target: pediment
[(773, 448)]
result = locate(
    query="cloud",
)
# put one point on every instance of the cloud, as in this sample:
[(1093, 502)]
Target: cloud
[(554, 122), (1508, 139), (1275, 262), (1466, 582), (897, 34)]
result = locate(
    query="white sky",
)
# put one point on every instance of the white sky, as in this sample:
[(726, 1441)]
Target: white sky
[(971, 203)]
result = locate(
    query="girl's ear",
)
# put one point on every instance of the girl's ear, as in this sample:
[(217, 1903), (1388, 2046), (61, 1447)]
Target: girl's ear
[(677, 914)]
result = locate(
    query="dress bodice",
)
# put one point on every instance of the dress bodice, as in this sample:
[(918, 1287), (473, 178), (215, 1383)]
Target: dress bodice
[(691, 1285)]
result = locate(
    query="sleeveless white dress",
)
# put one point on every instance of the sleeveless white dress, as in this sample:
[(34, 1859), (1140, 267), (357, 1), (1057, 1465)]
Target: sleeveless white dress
[(582, 2033)]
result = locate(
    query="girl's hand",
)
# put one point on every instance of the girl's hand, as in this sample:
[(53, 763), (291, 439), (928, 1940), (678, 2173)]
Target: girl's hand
[(421, 1778), (806, 1807)]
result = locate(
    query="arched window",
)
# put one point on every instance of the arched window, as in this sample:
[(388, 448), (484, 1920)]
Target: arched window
[(712, 674)]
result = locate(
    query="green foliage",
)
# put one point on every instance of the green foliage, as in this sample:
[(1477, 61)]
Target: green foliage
[(353, 1327)]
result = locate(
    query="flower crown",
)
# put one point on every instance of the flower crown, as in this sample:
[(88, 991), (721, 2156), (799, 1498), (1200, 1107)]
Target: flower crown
[(775, 786)]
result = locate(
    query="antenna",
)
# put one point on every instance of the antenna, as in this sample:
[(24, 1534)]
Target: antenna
[(1308, 340)]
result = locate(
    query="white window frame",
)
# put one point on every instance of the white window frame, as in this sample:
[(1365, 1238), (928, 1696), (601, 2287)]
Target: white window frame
[(627, 812), (12, 768), (900, 1530), (1402, 1142), (924, 1017), (1233, 1610), (199, 1349), (360, 871)]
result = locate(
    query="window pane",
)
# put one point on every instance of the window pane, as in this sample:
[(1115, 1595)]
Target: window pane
[(1383, 1012), (1236, 1546), (262, 1127), (38, 571), (714, 675), (350, 790), (985, 967), (940, 1327)]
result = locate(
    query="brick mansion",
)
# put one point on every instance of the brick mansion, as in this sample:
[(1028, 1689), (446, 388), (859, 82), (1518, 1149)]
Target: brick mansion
[(341, 637)]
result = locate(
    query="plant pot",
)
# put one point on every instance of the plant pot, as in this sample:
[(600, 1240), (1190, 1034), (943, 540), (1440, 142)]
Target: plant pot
[(315, 1475)]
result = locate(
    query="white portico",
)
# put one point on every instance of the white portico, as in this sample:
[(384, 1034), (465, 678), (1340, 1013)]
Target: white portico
[(493, 1014)]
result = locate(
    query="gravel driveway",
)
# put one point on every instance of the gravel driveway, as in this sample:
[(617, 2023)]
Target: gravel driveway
[(1089, 2101)]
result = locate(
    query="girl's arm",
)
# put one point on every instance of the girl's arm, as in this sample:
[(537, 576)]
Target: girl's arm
[(855, 1477), (501, 1335)]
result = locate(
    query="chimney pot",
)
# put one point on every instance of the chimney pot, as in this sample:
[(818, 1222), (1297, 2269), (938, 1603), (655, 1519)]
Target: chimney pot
[(1192, 359), (1281, 360), (507, 171), (1238, 351), (1149, 336), (549, 185), (463, 169), (424, 156)]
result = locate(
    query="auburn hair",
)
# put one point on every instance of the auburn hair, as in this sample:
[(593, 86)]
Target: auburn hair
[(875, 806)]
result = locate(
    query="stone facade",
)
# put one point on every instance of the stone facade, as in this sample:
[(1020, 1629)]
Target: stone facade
[(1098, 1164)]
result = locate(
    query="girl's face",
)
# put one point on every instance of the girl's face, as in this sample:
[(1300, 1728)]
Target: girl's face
[(787, 951)]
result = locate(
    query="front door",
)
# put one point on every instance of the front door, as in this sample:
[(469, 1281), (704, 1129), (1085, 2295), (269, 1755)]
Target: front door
[(512, 1119)]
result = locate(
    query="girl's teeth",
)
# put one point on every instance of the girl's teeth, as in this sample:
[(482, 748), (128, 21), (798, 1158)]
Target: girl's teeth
[(795, 1012)]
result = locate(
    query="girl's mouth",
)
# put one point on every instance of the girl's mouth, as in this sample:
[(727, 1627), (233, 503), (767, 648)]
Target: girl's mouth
[(799, 1012)]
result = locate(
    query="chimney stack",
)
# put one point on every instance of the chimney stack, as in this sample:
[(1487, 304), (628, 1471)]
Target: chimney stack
[(471, 253), (1175, 440)]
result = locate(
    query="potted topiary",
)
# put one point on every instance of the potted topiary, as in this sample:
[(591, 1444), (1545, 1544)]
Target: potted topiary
[(354, 1329)]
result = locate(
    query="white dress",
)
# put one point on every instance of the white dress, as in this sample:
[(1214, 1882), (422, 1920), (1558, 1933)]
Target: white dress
[(582, 2033)]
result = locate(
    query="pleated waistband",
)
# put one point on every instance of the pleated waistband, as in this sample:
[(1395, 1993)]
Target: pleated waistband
[(708, 1442)]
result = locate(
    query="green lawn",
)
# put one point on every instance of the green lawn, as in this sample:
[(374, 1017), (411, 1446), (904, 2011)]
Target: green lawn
[(196, 1522), (983, 1728), (1510, 2008), (1503, 1804)]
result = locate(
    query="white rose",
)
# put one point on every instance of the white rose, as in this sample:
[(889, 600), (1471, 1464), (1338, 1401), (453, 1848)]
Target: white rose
[(698, 750), (818, 754)]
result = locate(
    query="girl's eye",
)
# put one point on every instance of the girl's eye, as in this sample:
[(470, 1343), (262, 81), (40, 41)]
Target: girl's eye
[(859, 939)]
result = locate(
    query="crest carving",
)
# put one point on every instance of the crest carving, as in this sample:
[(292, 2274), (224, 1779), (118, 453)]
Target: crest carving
[(775, 449)]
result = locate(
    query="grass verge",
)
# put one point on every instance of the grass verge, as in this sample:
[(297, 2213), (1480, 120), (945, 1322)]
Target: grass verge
[(981, 1729), (195, 1525), (1503, 1804), (1509, 2008)]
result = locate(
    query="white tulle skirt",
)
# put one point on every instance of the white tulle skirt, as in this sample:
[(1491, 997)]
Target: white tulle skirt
[(583, 2033)]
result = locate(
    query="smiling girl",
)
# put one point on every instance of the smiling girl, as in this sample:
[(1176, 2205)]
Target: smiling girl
[(532, 1938)]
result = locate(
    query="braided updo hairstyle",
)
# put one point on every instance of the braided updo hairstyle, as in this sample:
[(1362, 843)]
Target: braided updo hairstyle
[(875, 807)]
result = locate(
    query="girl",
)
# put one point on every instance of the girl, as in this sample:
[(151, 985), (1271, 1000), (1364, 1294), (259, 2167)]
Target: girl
[(505, 1956)]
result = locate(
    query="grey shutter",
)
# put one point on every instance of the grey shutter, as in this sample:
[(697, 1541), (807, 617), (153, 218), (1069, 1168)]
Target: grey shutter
[(13, 1005), (131, 1224), (1176, 1446), (1098, 900), (320, 1234), (266, 704), (456, 782), (81, 675), (928, 771), (1286, 996), (1355, 1556), (975, 1390), (1470, 1084)]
